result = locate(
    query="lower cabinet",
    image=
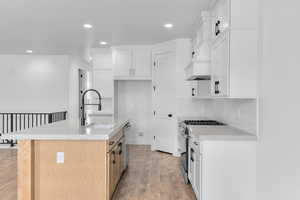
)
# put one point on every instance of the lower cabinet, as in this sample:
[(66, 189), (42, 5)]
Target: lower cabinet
[(195, 167), (223, 169), (115, 164)]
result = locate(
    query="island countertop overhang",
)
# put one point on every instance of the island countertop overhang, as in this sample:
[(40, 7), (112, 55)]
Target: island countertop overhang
[(70, 130)]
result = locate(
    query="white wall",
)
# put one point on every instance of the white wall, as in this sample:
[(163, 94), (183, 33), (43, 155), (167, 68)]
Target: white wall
[(34, 83), (76, 63), (40, 83), (240, 113), (135, 103), (279, 147)]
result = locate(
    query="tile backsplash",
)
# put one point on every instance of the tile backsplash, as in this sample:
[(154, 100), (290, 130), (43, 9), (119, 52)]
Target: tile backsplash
[(240, 113)]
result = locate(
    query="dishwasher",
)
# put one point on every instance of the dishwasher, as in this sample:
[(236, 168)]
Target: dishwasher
[(125, 146)]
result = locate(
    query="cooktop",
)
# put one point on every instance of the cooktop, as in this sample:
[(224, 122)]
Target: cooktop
[(203, 122)]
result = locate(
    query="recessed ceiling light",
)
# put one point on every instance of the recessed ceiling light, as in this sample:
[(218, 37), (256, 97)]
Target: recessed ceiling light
[(103, 43), (168, 25), (29, 51), (87, 26)]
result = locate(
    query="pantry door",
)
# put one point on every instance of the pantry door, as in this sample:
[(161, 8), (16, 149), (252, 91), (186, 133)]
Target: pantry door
[(164, 102)]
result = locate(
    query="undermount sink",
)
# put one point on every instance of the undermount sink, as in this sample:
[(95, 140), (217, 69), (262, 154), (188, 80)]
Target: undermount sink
[(103, 126)]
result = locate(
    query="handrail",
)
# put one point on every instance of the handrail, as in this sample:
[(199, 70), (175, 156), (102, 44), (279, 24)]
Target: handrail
[(18, 121)]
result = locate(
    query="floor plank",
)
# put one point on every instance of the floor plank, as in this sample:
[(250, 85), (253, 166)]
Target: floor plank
[(8, 174), (150, 176)]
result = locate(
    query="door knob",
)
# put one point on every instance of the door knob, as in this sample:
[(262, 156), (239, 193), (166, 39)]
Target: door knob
[(170, 115)]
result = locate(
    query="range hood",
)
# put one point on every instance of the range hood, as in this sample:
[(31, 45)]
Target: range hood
[(198, 70)]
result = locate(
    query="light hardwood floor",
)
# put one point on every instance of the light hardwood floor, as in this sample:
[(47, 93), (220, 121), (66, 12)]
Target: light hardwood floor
[(8, 174), (151, 176)]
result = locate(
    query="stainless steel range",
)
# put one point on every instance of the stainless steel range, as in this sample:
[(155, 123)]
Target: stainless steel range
[(185, 133)]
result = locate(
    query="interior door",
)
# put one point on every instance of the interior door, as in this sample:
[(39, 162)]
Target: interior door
[(164, 102), (111, 173)]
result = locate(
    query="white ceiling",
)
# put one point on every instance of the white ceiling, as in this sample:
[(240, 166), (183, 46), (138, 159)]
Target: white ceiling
[(55, 26)]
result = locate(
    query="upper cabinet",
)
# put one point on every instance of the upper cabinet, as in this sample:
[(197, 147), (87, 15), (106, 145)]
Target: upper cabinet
[(220, 67), (103, 82), (132, 62), (234, 52), (102, 58), (200, 64), (102, 71), (122, 61), (142, 61), (228, 56)]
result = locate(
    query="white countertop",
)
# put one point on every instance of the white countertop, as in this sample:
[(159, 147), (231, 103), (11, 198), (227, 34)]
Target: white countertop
[(69, 130), (210, 132), (220, 133)]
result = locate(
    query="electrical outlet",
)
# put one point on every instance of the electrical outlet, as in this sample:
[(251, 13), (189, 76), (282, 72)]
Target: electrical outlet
[(60, 157)]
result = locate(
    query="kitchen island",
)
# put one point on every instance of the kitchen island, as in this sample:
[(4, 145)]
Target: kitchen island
[(64, 161)]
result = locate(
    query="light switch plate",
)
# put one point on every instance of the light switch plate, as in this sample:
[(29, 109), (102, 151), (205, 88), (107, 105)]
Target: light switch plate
[(60, 157)]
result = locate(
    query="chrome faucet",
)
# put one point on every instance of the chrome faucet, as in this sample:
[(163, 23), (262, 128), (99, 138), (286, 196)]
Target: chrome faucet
[(83, 118)]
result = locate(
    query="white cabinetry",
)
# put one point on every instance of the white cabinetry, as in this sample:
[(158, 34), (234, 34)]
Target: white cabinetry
[(234, 54), (223, 169), (102, 58), (103, 82), (142, 61), (122, 61), (195, 167), (132, 62), (220, 66)]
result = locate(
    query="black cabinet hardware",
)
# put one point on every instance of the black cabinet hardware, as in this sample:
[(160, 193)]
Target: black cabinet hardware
[(170, 115), (193, 91), (114, 154), (217, 84), (217, 28)]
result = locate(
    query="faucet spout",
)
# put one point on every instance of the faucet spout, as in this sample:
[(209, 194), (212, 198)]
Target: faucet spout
[(83, 115)]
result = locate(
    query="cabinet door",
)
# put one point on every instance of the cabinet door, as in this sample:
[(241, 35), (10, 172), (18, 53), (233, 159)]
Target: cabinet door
[(192, 162), (119, 160), (220, 66), (121, 156), (221, 17), (116, 167), (194, 88), (102, 59), (111, 175), (103, 82), (198, 173), (142, 61), (122, 61)]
